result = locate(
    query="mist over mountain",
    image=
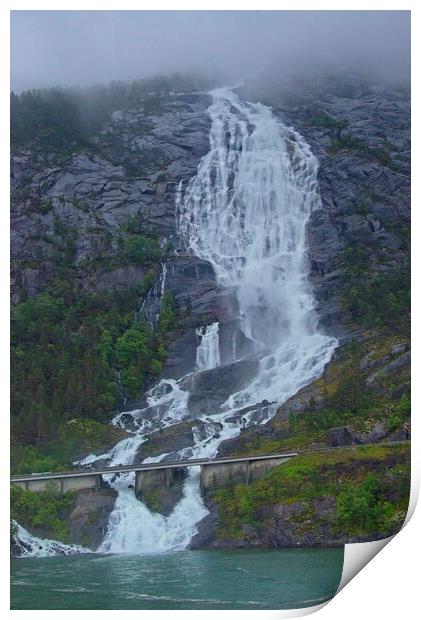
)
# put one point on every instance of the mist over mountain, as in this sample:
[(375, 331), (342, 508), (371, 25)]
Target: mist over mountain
[(66, 48)]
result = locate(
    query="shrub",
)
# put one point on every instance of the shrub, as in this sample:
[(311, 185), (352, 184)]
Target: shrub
[(43, 511), (142, 250), (25, 459), (363, 507), (326, 121), (373, 299)]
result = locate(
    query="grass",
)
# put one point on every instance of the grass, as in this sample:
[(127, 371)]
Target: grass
[(369, 486), (341, 398)]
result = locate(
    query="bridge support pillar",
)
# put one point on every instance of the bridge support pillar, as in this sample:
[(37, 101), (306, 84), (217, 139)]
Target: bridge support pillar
[(221, 474), (215, 475), (153, 478)]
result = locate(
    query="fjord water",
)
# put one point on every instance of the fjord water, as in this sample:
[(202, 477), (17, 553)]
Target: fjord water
[(234, 579), (245, 212)]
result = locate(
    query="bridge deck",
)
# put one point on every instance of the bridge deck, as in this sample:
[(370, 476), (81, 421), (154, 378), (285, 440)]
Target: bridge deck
[(146, 466)]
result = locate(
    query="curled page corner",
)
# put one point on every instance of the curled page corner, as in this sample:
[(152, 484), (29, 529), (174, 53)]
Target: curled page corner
[(357, 555), (295, 613)]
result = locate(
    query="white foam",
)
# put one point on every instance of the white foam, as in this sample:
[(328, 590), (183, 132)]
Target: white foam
[(30, 546), (207, 353)]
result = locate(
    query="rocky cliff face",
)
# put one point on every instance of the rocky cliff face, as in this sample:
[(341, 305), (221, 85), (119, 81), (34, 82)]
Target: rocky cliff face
[(138, 161), (361, 135), (78, 205)]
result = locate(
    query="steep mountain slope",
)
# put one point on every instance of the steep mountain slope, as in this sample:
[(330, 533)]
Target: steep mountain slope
[(103, 219)]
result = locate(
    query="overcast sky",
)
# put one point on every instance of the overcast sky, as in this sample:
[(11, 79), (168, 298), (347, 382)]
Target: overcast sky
[(84, 47)]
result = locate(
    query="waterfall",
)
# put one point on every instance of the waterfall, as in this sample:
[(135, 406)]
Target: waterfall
[(163, 278), (245, 212), (207, 353)]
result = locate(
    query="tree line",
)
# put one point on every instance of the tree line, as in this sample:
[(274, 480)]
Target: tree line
[(64, 117)]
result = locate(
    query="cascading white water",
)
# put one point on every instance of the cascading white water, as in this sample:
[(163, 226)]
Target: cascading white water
[(245, 212), (207, 353), (30, 546)]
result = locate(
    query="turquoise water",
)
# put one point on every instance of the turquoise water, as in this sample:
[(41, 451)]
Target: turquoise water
[(234, 579)]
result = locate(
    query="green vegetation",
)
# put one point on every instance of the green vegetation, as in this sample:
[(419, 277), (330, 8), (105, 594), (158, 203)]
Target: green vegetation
[(45, 207), (27, 458), (363, 508), (346, 399), (42, 512), (69, 441), (348, 142), (372, 409), (76, 353), (69, 347), (58, 367), (142, 250), (341, 397), (323, 120), (138, 355), (369, 486), (66, 119), (51, 117), (375, 299)]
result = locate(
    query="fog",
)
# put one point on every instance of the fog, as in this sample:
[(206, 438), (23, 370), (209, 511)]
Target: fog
[(66, 48)]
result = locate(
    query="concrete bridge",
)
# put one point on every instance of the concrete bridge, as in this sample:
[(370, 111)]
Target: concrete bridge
[(214, 473)]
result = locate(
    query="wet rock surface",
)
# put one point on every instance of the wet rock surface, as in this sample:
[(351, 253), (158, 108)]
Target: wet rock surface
[(179, 437), (192, 283), (205, 536), (163, 499), (89, 516), (209, 389), (139, 160)]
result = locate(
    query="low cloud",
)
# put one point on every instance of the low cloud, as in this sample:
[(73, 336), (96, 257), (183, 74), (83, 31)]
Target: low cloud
[(67, 48)]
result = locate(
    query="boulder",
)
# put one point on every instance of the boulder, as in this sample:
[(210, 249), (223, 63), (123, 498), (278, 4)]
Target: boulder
[(377, 433), (209, 389), (374, 381), (89, 516), (342, 436), (174, 438)]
